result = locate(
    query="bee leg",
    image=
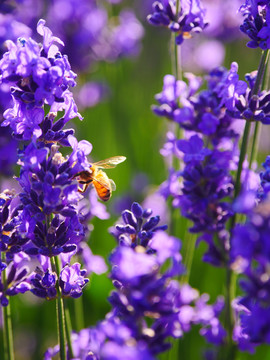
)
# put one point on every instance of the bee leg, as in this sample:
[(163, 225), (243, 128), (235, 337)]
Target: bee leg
[(84, 188)]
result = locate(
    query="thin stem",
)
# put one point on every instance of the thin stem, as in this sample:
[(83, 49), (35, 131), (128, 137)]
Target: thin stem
[(177, 60), (61, 327), (258, 125), (259, 79), (228, 318), (7, 323), (68, 327), (230, 353), (190, 241), (8, 334), (60, 315), (176, 68), (176, 50), (255, 143), (79, 318), (242, 156), (244, 145)]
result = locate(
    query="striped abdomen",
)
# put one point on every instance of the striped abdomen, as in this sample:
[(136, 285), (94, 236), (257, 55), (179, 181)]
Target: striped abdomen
[(102, 185)]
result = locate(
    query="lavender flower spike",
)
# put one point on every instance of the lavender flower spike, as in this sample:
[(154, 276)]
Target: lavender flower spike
[(37, 76), (190, 19), (256, 24)]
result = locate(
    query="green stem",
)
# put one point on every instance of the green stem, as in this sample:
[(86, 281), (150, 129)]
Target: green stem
[(176, 68), (7, 323), (8, 334), (258, 125), (260, 74), (79, 318), (255, 143), (61, 327), (176, 50), (244, 145), (242, 156), (230, 353), (68, 327), (228, 315), (190, 241), (229, 350), (60, 315)]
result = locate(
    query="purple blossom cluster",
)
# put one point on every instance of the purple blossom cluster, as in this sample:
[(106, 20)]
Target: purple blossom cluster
[(36, 76), (264, 188), (250, 258), (256, 23), (91, 35), (9, 29), (189, 19), (207, 154), (207, 51), (148, 306), (249, 105), (88, 28), (10, 245), (206, 184), (49, 221), (44, 227)]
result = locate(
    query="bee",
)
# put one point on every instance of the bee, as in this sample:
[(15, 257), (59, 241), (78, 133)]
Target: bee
[(98, 178)]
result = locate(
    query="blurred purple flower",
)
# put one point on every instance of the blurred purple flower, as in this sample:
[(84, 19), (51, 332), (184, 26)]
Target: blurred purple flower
[(189, 20), (125, 38), (256, 24), (90, 94)]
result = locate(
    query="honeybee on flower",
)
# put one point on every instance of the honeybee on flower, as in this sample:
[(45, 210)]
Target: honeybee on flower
[(98, 178)]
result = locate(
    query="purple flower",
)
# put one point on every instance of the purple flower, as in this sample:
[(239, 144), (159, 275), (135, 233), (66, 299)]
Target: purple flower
[(174, 92), (188, 20), (193, 149), (11, 29), (250, 256), (256, 23), (265, 180), (90, 94), (211, 111), (203, 186), (72, 280), (148, 306), (93, 263), (37, 76), (239, 336), (17, 277), (138, 226), (125, 37), (208, 316), (11, 242), (44, 284)]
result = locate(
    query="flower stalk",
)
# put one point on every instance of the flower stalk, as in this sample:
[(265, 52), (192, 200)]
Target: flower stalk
[(243, 152), (68, 328), (61, 323), (7, 323), (244, 145)]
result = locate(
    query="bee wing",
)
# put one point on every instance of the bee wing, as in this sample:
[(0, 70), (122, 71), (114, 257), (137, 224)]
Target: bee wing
[(102, 182), (113, 185), (110, 162)]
